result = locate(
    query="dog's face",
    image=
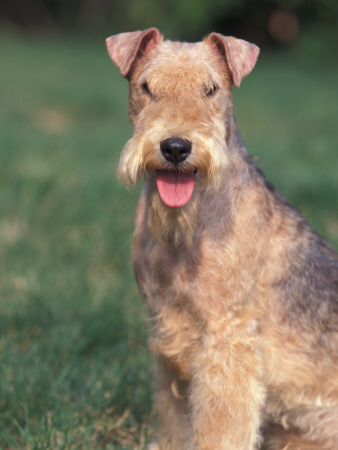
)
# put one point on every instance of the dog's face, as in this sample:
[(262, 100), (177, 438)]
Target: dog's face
[(180, 104)]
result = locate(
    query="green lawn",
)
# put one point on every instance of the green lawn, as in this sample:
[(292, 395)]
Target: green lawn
[(75, 371)]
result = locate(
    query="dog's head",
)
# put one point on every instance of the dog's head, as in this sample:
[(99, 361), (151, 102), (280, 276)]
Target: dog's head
[(180, 105)]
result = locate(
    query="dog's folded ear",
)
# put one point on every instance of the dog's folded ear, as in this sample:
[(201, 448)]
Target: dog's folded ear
[(125, 48), (240, 56)]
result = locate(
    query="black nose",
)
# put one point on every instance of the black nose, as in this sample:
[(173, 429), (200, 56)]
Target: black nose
[(175, 149)]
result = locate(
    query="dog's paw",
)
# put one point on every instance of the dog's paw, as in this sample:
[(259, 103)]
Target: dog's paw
[(153, 446)]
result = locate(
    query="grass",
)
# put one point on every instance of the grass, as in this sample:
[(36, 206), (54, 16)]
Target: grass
[(75, 371)]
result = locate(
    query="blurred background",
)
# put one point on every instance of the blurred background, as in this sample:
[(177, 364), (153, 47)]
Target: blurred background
[(263, 21), (75, 371)]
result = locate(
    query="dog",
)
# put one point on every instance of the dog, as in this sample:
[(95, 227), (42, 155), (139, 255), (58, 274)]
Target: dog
[(241, 293)]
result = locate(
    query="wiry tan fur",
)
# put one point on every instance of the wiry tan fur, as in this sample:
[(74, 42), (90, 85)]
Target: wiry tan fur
[(242, 294)]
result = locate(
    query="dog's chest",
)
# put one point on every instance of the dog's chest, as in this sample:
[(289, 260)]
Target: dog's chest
[(167, 280), (165, 275)]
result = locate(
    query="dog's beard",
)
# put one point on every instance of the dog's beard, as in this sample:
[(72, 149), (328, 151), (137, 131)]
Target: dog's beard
[(172, 226), (175, 222)]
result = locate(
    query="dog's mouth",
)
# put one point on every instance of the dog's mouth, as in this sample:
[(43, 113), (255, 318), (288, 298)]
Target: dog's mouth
[(175, 188)]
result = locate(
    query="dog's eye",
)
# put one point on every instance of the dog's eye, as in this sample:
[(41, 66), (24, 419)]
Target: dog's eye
[(145, 88), (210, 90)]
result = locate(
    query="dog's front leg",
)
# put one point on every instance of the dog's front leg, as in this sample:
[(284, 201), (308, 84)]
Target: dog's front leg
[(227, 394), (171, 405)]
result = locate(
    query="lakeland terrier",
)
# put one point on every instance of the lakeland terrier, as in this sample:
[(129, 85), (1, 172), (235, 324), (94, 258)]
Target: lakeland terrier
[(242, 294)]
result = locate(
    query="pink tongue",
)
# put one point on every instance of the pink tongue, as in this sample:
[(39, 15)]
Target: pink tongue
[(175, 189)]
